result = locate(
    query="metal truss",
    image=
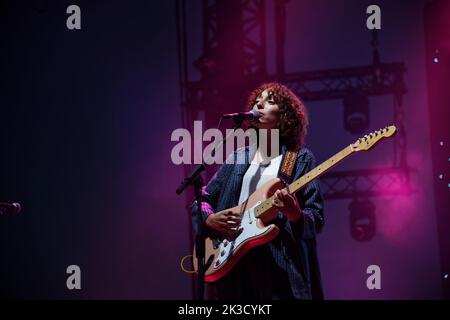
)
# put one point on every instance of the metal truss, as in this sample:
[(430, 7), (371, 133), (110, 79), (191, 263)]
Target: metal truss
[(333, 83), (247, 24), (337, 83), (247, 20), (387, 181)]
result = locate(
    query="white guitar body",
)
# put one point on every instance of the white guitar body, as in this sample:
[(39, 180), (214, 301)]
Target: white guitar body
[(222, 254)]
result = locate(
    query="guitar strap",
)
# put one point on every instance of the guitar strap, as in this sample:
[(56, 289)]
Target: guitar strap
[(286, 172)]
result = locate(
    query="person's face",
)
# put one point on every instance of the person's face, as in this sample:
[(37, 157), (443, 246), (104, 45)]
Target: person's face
[(268, 110)]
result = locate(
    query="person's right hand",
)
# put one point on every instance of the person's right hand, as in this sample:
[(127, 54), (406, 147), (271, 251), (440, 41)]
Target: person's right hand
[(226, 223)]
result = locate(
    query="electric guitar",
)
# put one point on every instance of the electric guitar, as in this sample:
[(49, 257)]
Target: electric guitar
[(221, 255)]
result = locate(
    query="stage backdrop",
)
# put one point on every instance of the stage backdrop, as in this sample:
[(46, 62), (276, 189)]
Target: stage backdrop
[(87, 117)]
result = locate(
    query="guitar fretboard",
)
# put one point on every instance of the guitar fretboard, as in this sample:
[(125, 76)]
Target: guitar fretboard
[(298, 184)]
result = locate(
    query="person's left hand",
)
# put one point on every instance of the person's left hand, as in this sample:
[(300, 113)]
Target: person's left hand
[(287, 204)]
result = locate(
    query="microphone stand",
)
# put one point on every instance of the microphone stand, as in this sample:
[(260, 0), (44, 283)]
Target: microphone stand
[(195, 179)]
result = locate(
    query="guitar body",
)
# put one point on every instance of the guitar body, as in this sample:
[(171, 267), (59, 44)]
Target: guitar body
[(222, 254)]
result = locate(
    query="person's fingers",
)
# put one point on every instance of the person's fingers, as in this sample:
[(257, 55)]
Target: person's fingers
[(275, 197), (231, 227), (232, 214), (224, 219), (277, 203), (222, 223), (279, 194), (284, 194), (235, 219), (226, 215), (293, 199), (228, 222)]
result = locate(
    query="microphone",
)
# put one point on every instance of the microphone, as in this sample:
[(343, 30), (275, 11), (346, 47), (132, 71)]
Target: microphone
[(249, 115), (12, 207)]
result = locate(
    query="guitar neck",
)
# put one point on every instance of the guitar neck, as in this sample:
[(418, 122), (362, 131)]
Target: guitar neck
[(307, 178), (364, 143), (320, 169)]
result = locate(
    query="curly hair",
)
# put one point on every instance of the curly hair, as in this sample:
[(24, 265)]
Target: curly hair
[(293, 114)]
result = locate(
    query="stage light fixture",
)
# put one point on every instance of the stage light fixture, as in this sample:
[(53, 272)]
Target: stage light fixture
[(362, 219), (207, 64), (356, 112)]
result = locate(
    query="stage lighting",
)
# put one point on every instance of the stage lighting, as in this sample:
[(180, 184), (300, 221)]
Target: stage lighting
[(362, 219), (356, 112), (436, 54), (207, 64)]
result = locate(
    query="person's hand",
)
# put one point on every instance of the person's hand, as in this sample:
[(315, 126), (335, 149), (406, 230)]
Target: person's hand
[(287, 203), (225, 223)]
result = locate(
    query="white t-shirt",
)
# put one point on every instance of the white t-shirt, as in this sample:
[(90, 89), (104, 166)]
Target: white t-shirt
[(258, 174)]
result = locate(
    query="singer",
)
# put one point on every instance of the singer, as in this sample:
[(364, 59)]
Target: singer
[(287, 267)]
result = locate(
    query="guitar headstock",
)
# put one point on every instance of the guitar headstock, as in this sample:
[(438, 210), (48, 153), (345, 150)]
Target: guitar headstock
[(369, 140)]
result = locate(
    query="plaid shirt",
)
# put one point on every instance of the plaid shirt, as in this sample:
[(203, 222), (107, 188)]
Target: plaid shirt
[(285, 268)]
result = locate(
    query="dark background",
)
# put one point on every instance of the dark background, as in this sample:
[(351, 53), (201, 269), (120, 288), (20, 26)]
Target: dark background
[(85, 148)]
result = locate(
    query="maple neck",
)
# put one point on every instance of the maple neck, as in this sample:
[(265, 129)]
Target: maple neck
[(298, 184), (320, 169)]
